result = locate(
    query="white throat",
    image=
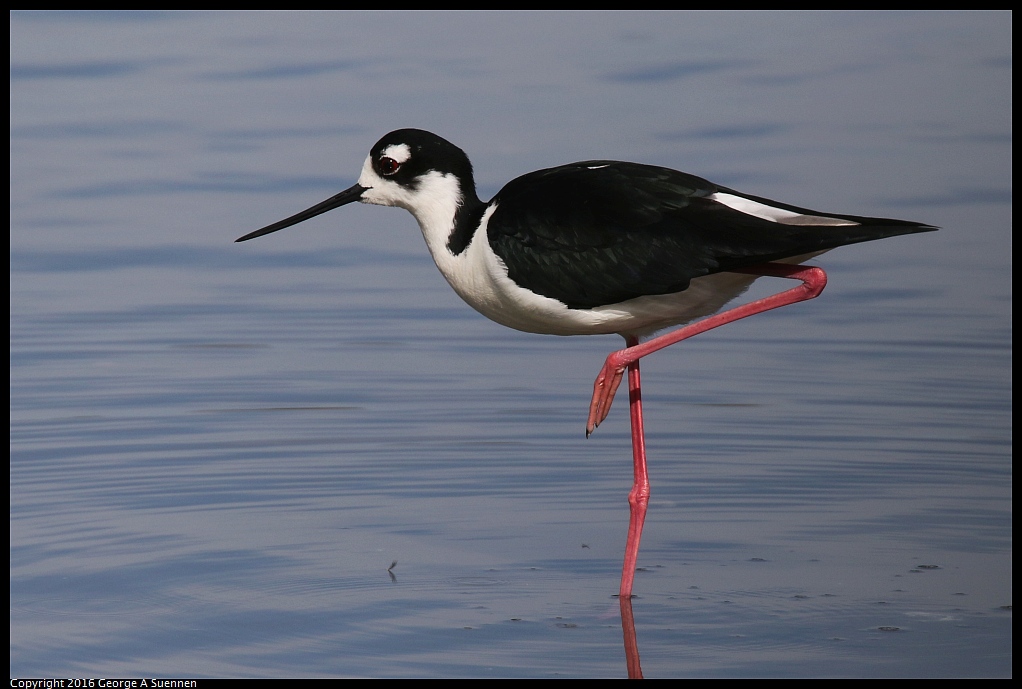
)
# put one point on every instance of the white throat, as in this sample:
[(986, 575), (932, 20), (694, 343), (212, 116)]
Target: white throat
[(433, 201)]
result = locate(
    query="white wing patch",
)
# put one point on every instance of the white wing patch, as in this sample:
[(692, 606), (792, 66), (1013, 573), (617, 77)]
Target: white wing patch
[(777, 215)]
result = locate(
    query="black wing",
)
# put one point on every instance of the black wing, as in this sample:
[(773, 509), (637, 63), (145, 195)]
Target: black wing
[(601, 232)]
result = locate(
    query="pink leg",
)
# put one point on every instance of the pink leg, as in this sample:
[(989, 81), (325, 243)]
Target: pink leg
[(638, 499), (607, 382), (813, 281)]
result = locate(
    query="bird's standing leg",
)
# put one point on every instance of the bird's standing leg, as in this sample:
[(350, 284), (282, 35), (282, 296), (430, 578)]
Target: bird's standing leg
[(813, 281), (639, 497)]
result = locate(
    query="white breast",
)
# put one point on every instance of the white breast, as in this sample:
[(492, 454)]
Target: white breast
[(480, 277)]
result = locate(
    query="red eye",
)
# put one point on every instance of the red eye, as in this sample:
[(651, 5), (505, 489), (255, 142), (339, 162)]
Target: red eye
[(388, 166)]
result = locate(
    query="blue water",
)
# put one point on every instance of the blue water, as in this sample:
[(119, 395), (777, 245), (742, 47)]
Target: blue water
[(218, 450)]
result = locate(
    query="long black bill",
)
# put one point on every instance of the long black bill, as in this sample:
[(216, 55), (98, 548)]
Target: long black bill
[(345, 197)]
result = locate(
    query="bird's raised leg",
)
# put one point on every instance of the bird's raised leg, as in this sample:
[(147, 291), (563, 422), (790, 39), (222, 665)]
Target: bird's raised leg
[(813, 281), (607, 382)]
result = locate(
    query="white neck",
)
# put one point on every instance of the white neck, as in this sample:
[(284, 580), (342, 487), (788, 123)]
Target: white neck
[(434, 202)]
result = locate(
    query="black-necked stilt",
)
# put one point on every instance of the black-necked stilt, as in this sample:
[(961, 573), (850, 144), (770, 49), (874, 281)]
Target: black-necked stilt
[(601, 247)]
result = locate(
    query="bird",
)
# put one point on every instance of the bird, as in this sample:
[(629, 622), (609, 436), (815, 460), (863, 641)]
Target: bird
[(602, 247)]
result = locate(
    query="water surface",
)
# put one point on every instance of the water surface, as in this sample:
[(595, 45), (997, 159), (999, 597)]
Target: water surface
[(218, 450)]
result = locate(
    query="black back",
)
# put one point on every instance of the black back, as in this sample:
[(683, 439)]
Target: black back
[(601, 232)]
